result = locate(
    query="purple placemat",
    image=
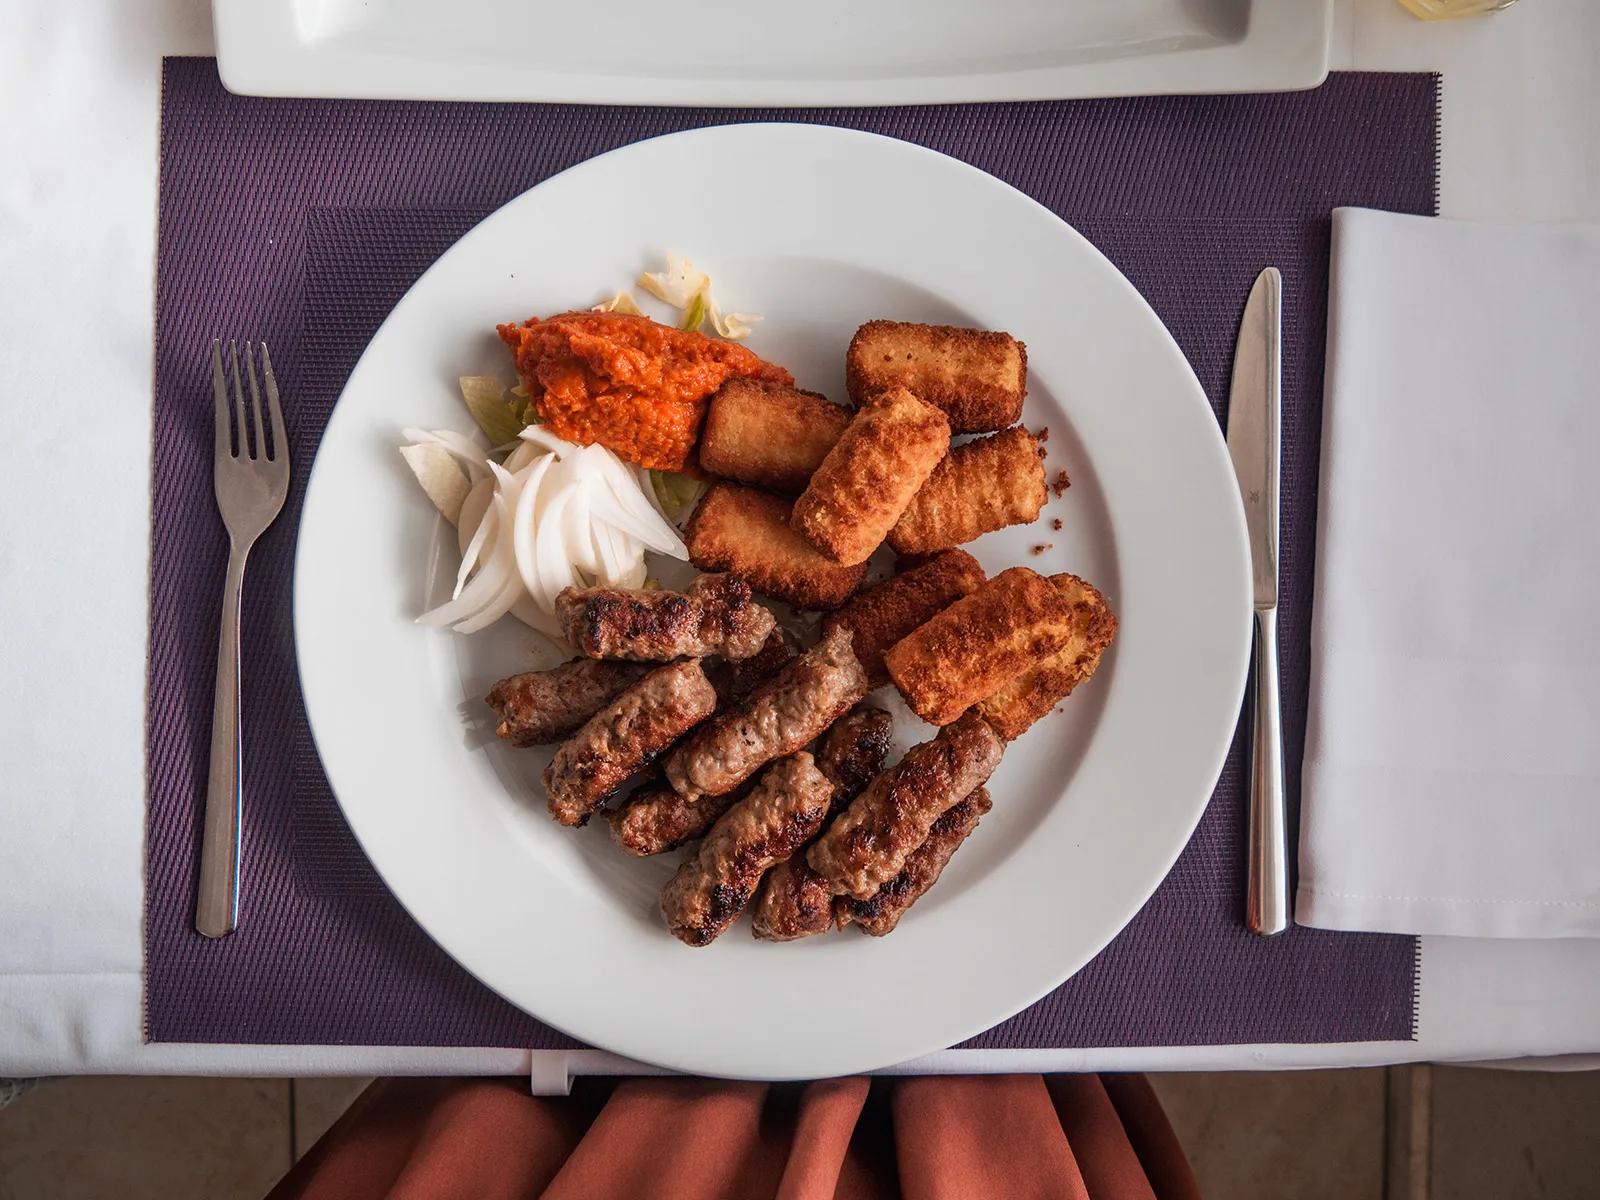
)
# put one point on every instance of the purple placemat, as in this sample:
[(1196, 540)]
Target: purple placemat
[(302, 222)]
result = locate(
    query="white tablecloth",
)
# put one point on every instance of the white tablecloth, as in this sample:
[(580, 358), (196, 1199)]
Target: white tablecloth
[(79, 97)]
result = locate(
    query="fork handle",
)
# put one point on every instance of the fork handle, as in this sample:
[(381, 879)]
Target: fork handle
[(217, 906), (1267, 895)]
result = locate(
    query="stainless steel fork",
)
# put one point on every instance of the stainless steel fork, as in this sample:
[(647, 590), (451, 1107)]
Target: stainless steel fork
[(252, 478)]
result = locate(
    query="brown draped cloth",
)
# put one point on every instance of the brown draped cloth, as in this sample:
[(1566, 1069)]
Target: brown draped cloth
[(925, 1138)]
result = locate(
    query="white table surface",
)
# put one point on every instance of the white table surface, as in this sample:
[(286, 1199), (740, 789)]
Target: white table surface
[(79, 98)]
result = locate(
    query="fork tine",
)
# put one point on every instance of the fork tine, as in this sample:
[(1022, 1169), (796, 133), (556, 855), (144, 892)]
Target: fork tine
[(219, 395), (255, 399), (238, 403), (280, 442)]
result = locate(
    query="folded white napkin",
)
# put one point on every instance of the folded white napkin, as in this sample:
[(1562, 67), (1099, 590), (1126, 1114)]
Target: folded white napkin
[(1452, 768)]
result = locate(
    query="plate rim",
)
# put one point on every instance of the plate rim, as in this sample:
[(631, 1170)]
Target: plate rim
[(1215, 440), (1287, 46)]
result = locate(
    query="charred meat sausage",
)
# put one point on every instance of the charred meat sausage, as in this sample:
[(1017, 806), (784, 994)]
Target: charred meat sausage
[(778, 718), (869, 843), (736, 678), (852, 752), (794, 901), (656, 819), (539, 707), (783, 811), (717, 615), (624, 737), (882, 913)]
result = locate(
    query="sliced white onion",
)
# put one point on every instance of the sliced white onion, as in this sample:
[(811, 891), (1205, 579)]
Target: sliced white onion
[(507, 596), (523, 533), (539, 436), (616, 560), (635, 575), (647, 485), (553, 515), (520, 457), (576, 532), (472, 509), (484, 589), (469, 557), (555, 566), (465, 450), (625, 488)]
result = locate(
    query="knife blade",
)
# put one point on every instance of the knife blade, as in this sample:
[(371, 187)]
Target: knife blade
[(1254, 405), (1254, 444)]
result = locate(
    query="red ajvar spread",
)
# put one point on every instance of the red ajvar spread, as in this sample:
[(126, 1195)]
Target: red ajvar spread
[(632, 384)]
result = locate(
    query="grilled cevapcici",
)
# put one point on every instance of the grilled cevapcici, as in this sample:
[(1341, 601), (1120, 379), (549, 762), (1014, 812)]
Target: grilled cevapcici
[(655, 819), (795, 902), (783, 811), (869, 843), (778, 718), (540, 707), (624, 737), (717, 615), (880, 914)]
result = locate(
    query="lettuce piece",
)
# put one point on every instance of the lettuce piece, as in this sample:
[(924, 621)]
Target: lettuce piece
[(622, 302), (695, 315), (496, 414), (679, 284), (674, 492), (523, 400)]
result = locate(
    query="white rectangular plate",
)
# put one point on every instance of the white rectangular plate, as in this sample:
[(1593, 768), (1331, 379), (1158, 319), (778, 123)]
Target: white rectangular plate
[(761, 52)]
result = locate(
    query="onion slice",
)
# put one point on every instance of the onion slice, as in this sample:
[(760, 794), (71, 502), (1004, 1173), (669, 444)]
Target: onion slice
[(469, 557), (553, 515)]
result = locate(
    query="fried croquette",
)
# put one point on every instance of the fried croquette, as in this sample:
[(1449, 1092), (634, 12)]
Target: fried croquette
[(746, 531), (885, 454), (763, 433), (883, 614), (981, 486), (1023, 700), (973, 648), (976, 376)]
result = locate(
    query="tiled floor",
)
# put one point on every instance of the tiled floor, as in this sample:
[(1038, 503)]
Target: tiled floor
[(1495, 1135)]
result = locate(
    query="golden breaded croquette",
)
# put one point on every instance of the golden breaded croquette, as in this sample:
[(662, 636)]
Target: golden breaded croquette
[(981, 486), (1023, 700), (746, 531), (978, 377), (885, 454), (763, 433), (883, 614), (971, 650)]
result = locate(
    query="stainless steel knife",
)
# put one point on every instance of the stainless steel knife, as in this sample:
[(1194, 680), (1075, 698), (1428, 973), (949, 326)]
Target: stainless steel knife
[(1254, 407)]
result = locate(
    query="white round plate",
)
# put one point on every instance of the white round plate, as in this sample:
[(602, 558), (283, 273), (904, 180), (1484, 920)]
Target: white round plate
[(818, 229)]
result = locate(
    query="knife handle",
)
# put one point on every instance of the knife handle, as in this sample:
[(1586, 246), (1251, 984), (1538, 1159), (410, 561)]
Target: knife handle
[(1267, 898)]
